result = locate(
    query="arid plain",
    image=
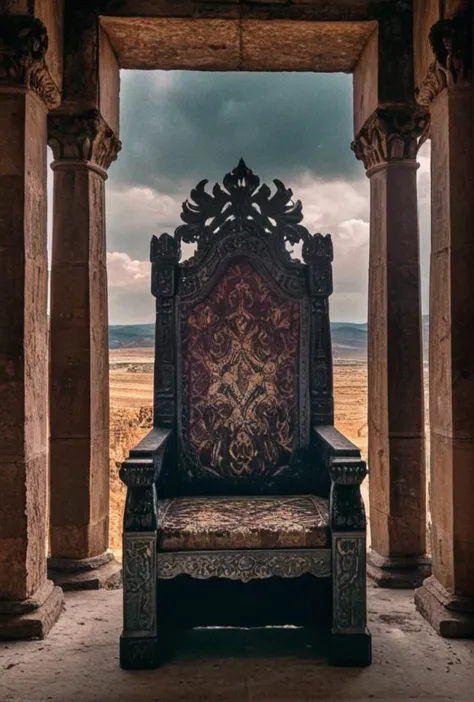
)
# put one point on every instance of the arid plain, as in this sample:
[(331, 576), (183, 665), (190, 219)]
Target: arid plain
[(131, 386)]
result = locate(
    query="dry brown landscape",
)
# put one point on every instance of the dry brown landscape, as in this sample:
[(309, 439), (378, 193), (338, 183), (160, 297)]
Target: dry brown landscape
[(131, 378)]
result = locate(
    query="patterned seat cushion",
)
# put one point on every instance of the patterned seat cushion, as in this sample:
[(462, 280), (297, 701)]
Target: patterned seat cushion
[(211, 523)]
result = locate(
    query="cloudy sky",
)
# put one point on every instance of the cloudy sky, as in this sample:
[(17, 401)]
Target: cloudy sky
[(180, 127)]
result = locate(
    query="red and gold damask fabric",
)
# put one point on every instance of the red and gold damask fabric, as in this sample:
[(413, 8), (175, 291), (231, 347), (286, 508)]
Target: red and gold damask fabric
[(213, 523), (241, 350)]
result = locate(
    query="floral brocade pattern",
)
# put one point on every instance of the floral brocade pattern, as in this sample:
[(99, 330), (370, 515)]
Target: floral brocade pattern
[(241, 351), (213, 523)]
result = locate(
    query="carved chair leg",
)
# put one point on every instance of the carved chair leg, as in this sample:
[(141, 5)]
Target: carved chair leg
[(139, 645), (350, 640)]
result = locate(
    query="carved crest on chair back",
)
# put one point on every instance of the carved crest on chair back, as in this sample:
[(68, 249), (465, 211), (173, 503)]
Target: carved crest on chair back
[(243, 362)]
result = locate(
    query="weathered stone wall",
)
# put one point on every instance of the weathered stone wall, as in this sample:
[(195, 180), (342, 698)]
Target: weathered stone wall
[(109, 83), (366, 78), (425, 14), (51, 13)]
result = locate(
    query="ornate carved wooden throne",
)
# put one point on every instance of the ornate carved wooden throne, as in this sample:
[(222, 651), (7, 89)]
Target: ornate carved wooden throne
[(243, 504)]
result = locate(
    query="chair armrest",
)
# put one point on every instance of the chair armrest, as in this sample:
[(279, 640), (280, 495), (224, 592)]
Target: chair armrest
[(347, 470), (143, 465), (139, 472), (334, 443), (342, 457), (155, 441)]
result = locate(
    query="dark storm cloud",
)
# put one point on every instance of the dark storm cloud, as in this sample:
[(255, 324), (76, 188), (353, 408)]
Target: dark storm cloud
[(179, 127)]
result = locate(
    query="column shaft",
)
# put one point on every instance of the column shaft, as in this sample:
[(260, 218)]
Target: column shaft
[(84, 147), (387, 144), (79, 395), (23, 349), (29, 604), (447, 598), (395, 370), (451, 341)]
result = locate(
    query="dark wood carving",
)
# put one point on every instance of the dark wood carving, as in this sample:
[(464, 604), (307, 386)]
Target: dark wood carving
[(140, 584), (349, 584), (164, 256), (242, 219), (243, 405), (241, 205), (246, 565)]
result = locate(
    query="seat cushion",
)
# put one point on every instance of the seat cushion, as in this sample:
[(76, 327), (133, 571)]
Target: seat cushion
[(211, 523)]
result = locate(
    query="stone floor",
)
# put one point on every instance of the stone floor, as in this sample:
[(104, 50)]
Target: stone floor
[(79, 661)]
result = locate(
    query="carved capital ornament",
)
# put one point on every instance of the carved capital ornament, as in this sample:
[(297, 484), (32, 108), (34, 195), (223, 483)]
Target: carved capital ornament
[(23, 47), (451, 43), (391, 134), (83, 138)]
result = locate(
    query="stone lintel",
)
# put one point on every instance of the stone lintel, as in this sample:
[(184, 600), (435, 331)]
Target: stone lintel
[(451, 43), (239, 43), (397, 572), (450, 616), (35, 623), (84, 139), (392, 134), (23, 47)]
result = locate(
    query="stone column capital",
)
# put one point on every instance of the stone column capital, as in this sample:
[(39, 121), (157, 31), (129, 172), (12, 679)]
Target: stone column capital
[(23, 47), (451, 43), (391, 134), (84, 139)]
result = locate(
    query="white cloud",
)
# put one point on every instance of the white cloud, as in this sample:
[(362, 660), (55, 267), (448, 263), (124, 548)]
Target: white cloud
[(327, 202), (424, 174), (134, 214), (341, 208), (130, 299), (124, 272), (354, 232)]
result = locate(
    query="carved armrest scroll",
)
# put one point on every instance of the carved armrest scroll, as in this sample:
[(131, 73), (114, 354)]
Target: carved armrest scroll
[(140, 472), (347, 471)]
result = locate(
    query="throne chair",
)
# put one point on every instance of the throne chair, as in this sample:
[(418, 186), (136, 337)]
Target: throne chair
[(243, 505)]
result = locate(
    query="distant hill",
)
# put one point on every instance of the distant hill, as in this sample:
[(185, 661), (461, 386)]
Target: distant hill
[(127, 336), (349, 340)]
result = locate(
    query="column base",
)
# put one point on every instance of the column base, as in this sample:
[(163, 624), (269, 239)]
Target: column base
[(450, 616), (397, 572), (86, 573), (32, 618)]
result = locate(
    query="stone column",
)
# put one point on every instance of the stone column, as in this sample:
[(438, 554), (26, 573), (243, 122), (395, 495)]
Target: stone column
[(387, 144), (83, 146), (29, 603), (447, 598)]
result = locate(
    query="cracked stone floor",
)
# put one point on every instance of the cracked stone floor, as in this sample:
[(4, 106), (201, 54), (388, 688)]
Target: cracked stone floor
[(79, 661)]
